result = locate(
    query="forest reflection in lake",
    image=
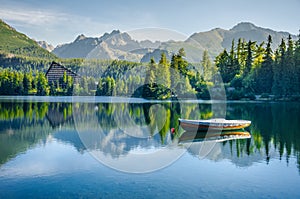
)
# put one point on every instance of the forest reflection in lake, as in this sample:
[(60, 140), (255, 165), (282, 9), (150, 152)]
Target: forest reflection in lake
[(128, 126), (44, 151)]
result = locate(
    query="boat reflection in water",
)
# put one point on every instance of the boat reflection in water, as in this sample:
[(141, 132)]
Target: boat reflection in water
[(217, 136), (209, 144)]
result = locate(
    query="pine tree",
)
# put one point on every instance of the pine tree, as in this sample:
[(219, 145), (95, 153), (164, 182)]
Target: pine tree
[(112, 91), (150, 80), (290, 66), (174, 71), (152, 71), (258, 55), (187, 86), (19, 81), (281, 76), (207, 66), (84, 86), (241, 55), (265, 76), (249, 59), (277, 88), (163, 73), (52, 88), (223, 62), (297, 65), (99, 90), (234, 66), (42, 85), (182, 63), (27, 85), (181, 52), (70, 86)]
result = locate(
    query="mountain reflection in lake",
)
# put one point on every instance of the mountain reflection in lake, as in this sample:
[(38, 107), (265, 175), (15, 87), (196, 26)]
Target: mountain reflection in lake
[(128, 126), (120, 131)]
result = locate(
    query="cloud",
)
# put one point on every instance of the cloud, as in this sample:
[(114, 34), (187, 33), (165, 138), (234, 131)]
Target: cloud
[(45, 18), (50, 25), (56, 26), (32, 17)]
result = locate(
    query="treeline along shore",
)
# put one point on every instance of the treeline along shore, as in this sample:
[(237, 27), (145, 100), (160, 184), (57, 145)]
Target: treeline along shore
[(248, 70)]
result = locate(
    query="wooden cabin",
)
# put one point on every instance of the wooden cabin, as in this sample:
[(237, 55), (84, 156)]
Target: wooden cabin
[(56, 71)]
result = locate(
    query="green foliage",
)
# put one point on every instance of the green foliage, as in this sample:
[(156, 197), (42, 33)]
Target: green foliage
[(223, 63), (265, 77), (106, 87), (15, 43), (208, 69), (297, 65), (163, 76), (261, 71), (11, 82), (279, 70), (248, 68), (43, 88), (249, 58), (19, 83)]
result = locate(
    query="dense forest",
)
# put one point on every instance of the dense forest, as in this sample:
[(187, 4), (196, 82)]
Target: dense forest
[(254, 69), (247, 69)]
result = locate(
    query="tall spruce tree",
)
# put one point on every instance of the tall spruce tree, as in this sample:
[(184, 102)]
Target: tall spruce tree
[(163, 72), (233, 61), (150, 76), (150, 80), (223, 63), (277, 88), (297, 64), (265, 76), (27, 83), (249, 59), (282, 69), (290, 66), (182, 63), (207, 66), (174, 71), (241, 54), (280, 73), (42, 85), (99, 90)]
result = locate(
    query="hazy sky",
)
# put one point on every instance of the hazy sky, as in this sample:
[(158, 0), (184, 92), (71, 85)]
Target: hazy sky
[(60, 21)]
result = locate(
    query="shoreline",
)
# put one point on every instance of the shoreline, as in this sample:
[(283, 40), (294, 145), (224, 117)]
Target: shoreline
[(121, 99)]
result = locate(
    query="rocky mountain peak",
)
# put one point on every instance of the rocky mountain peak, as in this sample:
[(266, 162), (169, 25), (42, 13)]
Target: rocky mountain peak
[(80, 37), (244, 26), (115, 32), (109, 35), (45, 45)]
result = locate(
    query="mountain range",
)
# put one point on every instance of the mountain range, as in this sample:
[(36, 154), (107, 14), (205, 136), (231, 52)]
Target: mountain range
[(114, 45), (120, 45)]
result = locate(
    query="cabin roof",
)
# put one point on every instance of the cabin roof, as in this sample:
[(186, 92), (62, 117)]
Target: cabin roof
[(65, 68)]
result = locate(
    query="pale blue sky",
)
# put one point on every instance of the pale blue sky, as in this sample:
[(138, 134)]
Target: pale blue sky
[(60, 21)]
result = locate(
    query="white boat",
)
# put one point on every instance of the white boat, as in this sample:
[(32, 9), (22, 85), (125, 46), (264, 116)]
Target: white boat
[(213, 124)]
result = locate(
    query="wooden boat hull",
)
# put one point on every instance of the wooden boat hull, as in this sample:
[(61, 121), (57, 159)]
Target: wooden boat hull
[(213, 124)]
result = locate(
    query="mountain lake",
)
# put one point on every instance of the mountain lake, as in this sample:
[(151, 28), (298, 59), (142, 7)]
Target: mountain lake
[(106, 147)]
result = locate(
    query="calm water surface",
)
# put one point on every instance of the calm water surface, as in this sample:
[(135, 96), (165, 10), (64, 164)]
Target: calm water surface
[(45, 153)]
